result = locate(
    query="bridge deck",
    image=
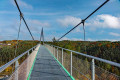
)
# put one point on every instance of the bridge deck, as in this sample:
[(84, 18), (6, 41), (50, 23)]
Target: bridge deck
[(47, 68)]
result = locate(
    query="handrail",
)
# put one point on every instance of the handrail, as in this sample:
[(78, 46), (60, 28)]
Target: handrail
[(96, 58), (15, 59)]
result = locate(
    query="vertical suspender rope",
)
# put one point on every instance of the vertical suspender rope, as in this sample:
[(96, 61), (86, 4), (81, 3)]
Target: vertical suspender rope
[(83, 22), (17, 39), (83, 28), (18, 35)]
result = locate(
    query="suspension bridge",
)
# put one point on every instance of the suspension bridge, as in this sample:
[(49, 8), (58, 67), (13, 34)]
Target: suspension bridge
[(49, 62)]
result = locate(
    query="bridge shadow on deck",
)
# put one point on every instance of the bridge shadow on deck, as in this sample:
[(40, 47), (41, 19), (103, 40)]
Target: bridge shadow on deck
[(47, 68)]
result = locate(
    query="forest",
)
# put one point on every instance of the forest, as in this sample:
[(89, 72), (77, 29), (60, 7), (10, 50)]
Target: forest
[(103, 49), (7, 52)]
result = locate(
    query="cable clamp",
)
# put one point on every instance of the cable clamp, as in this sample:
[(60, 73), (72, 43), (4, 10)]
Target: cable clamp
[(21, 16), (83, 22)]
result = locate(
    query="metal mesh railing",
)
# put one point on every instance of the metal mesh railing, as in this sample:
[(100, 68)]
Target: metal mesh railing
[(79, 66), (21, 71), (78, 75), (66, 60), (101, 74), (67, 63), (60, 56)]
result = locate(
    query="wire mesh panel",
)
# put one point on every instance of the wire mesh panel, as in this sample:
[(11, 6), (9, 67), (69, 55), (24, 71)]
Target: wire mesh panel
[(66, 60), (55, 52), (22, 72), (78, 75), (101, 74), (81, 68), (59, 55), (4, 74)]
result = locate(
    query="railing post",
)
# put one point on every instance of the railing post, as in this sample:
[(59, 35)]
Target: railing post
[(28, 53), (57, 53), (32, 49), (71, 64), (51, 49), (28, 64), (54, 52), (62, 56), (93, 69), (16, 69)]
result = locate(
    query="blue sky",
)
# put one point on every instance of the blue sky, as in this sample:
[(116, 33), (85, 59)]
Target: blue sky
[(59, 16)]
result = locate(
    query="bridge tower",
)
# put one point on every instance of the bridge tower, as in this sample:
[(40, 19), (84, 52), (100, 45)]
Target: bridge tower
[(42, 37)]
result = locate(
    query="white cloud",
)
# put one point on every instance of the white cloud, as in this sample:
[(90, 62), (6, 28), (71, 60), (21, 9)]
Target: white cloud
[(89, 39), (38, 23), (41, 13), (114, 34), (69, 21), (7, 12), (112, 40), (31, 13), (100, 21), (73, 39), (78, 29), (105, 21), (23, 4), (113, 0), (12, 28)]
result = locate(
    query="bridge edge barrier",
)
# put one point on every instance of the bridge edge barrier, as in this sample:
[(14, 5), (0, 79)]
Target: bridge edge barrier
[(61, 66)]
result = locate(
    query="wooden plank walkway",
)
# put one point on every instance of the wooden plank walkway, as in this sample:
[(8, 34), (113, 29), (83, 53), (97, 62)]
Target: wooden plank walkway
[(47, 68)]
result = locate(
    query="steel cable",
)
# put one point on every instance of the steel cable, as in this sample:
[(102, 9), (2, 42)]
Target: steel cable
[(84, 19), (17, 41), (23, 19), (18, 37)]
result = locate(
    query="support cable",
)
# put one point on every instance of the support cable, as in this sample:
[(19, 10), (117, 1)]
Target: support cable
[(23, 19), (84, 19), (17, 40), (18, 36), (83, 22)]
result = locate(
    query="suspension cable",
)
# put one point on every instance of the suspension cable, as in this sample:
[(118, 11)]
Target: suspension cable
[(23, 19), (84, 19)]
